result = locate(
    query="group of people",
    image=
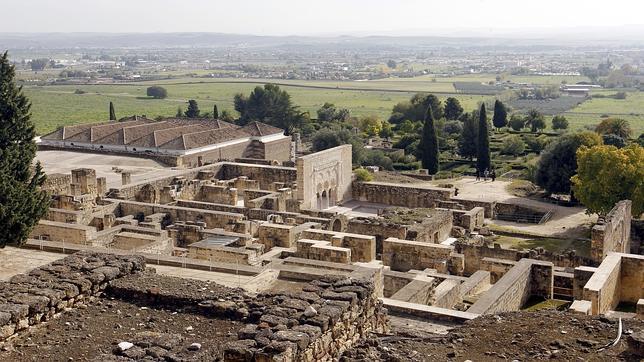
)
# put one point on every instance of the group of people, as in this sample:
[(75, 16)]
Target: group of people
[(486, 174)]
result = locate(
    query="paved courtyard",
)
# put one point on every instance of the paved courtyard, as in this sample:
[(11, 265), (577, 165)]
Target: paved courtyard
[(65, 161)]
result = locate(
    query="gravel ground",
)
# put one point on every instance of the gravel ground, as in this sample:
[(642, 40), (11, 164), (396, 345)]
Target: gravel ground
[(93, 334), (524, 336)]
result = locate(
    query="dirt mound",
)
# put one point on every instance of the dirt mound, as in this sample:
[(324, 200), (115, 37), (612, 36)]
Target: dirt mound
[(513, 336)]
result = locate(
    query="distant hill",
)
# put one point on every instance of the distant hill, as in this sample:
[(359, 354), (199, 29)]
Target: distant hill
[(533, 38)]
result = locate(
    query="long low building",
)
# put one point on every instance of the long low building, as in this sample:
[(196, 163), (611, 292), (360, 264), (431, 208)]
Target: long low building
[(175, 141)]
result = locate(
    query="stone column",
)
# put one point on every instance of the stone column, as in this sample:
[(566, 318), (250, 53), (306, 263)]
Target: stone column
[(126, 177)]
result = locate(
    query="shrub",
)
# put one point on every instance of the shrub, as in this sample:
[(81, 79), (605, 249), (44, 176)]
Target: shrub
[(378, 158), (537, 144), (517, 122), (363, 175), (620, 95), (513, 145), (157, 92), (613, 140), (559, 122), (79, 91), (399, 166)]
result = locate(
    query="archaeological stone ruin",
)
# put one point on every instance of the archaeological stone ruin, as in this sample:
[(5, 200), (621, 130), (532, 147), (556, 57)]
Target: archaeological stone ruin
[(315, 260)]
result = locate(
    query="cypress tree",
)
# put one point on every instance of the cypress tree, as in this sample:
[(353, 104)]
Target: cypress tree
[(112, 113), (500, 118), (193, 109), (483, 154), (215, 112), (22, 203), (429, 144)]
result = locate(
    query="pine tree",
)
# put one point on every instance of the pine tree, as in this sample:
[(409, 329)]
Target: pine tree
[(22, 203), (112, 113), (500, 118), (215, 112), (193, 109), (429, 144), (483, 154)]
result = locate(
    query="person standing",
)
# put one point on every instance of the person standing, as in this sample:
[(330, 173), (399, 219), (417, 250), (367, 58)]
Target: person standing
[(486, 173), (478, 175), (493, 175)]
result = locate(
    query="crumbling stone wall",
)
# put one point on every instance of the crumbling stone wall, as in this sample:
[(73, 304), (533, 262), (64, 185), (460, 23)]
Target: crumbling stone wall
[(404, 255), (613, 233), (527, 278), (400, 195), (57, 183), (29, 299), (318, 324)]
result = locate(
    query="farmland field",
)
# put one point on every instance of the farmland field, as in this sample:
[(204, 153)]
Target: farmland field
[(54, 106), (57, 105), (630, 109)]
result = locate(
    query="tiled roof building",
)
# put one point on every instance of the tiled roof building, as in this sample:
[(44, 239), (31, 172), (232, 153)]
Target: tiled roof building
[(175, 141)]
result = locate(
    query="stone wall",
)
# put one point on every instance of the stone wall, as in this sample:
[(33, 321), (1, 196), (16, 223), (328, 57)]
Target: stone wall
[(265, 175), (129, 191), (363, 247), (404, 255), (527, 278), (400, 194), (57, 183), (218, 194), (474, 254), (29, 299), (619, 278), (318, 324), (213, 219), (613, 233), (469, 204), (60, 231)]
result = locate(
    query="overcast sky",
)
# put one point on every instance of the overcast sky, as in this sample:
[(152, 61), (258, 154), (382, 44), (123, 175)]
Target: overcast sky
[(307, 17)]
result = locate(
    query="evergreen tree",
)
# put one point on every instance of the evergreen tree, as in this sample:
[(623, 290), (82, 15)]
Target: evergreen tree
[(469, 134), (483, 146), (215, 112), (193, 109), (179, 112), (429, 144), (22, 203), (500, 118), (453, 108), (112, 113)]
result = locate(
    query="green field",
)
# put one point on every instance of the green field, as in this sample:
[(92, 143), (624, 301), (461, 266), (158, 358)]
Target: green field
[(57, 105), (54, 106), (630, 109)]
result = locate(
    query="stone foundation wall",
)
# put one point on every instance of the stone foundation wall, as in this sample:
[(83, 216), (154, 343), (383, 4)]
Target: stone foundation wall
[(510, 293), (404, 255), (29, 299), (265, 175), (400, 195), (318, 324)]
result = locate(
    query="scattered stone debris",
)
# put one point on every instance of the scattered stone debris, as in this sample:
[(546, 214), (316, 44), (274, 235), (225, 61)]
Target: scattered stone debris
[(520, 336)]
